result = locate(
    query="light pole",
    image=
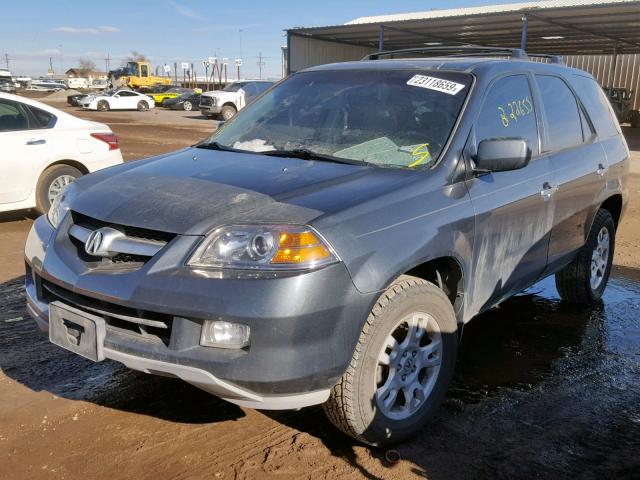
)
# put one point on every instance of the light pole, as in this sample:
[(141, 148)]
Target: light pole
[(61, 60)]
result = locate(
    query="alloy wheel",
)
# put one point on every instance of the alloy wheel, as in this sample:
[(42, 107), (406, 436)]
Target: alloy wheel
[(600, 258), (408, 365)]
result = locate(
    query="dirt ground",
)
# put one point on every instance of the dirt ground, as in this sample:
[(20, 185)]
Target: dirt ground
[(542, 389)]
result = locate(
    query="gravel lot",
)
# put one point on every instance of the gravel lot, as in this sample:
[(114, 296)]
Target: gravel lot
[(542, 389)]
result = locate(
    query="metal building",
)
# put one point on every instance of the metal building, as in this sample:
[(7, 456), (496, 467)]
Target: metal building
[(602, 37)]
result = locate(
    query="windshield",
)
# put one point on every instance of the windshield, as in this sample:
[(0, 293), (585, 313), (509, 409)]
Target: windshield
[(395, 118), (234, 87)]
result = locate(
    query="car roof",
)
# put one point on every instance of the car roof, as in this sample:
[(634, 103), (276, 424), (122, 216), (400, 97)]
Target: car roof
[(70, 120), (476, 65)]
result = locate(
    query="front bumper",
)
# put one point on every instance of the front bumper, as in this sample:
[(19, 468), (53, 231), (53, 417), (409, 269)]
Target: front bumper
[(303, 327), (210, 109)]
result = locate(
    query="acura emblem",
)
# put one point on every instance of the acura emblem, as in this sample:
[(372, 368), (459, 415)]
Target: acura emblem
[(93, 243)]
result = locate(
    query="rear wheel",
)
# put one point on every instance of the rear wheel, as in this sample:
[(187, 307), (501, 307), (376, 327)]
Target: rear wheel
[(103, 105), (584, 279), (187, 105), (227, 112), (635, 119), (143, 106), (401, 366), (52, 182)]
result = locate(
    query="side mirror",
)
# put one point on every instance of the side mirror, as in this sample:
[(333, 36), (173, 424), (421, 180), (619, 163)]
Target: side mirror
[(502, 154)]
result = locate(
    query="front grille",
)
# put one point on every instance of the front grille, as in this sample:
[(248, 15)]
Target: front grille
[(136, 232), (206, 101), (151, 326), (123, 259)]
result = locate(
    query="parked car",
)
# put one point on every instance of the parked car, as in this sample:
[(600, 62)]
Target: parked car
[(74, 100), (117, 100), (45, 149), (331, 241), (186, 101), (173, 92), (233, 97), (7, 85)]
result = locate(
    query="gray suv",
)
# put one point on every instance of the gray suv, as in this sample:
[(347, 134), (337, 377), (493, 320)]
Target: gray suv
[(328, 245)]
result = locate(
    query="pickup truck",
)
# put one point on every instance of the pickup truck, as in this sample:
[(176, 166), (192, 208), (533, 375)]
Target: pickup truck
[(328, 245), (233, 97)]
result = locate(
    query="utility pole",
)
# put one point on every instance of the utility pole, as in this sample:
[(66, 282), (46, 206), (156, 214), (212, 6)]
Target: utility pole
[(107, 63), (6, 59), (260, 64), (238, 65)]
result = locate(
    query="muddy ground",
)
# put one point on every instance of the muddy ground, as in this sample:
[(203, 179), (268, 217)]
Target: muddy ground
[(542, 389)]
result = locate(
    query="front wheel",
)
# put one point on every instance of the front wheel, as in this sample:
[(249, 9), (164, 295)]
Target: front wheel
[(401, 367), (227, 112), (143, 106), (584, 279), (103, 106)]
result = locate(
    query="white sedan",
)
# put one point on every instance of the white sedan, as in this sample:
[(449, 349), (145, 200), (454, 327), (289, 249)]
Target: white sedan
[(118, 100), (44, 149)]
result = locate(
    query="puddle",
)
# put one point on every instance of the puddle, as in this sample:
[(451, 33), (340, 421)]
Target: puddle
[(534, 336)]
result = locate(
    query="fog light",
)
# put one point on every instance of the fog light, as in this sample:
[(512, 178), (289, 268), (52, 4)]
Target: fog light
[(220, 334)]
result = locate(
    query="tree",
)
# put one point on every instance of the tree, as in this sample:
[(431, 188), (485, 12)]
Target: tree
[(86, 66), (137, 57)]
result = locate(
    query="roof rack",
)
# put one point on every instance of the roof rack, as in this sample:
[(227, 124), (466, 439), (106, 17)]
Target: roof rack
[(466, 51)]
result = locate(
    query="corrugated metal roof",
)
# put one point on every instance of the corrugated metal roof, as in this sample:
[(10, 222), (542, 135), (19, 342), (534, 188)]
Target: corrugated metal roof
[(554, 26), (484, 10)]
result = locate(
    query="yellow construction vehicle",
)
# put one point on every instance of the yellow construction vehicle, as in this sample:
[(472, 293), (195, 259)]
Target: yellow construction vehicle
[(136, 75)]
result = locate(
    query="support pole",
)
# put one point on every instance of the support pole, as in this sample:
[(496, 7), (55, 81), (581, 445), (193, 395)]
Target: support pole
[(612, 72), (525, 27), (381, 39)]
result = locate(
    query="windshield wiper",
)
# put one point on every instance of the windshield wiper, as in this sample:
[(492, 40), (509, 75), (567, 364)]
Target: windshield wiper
[(306, 154)]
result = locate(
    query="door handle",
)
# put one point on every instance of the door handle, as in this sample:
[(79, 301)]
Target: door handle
[(547, 191), (34, 141), (601, 171)]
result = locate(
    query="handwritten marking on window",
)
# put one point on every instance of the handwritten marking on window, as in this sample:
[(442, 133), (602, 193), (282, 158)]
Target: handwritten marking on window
[(420, 154), (515, 110)]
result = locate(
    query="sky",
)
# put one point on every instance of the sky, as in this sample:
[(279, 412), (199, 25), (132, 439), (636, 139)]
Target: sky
[(168, 31)]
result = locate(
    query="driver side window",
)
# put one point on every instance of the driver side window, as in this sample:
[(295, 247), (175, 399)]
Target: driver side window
[(508, 111)]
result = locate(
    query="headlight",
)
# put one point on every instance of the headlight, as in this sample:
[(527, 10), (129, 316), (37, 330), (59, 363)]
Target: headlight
[(61, 204), (263, 247), (214, 101)]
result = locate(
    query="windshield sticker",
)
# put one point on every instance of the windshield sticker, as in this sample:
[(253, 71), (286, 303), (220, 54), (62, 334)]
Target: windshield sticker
[(515, 110), (433, 83)]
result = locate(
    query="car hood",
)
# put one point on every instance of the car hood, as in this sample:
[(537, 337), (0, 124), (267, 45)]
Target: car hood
[(194, 190)]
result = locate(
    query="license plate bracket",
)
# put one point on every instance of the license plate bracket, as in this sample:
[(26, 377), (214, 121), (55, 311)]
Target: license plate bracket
[(77, 331)]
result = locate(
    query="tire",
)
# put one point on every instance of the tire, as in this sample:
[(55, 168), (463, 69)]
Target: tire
[(635, 119), (103, 106), (227, 112), (52, 179), (584, 280), (143, 106), (356, 405), (187, 106)]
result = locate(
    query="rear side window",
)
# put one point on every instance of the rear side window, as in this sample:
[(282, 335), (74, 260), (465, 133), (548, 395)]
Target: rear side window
[(508, 111), (597, 105), (12, 116), (42, 119), (562, 114)]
